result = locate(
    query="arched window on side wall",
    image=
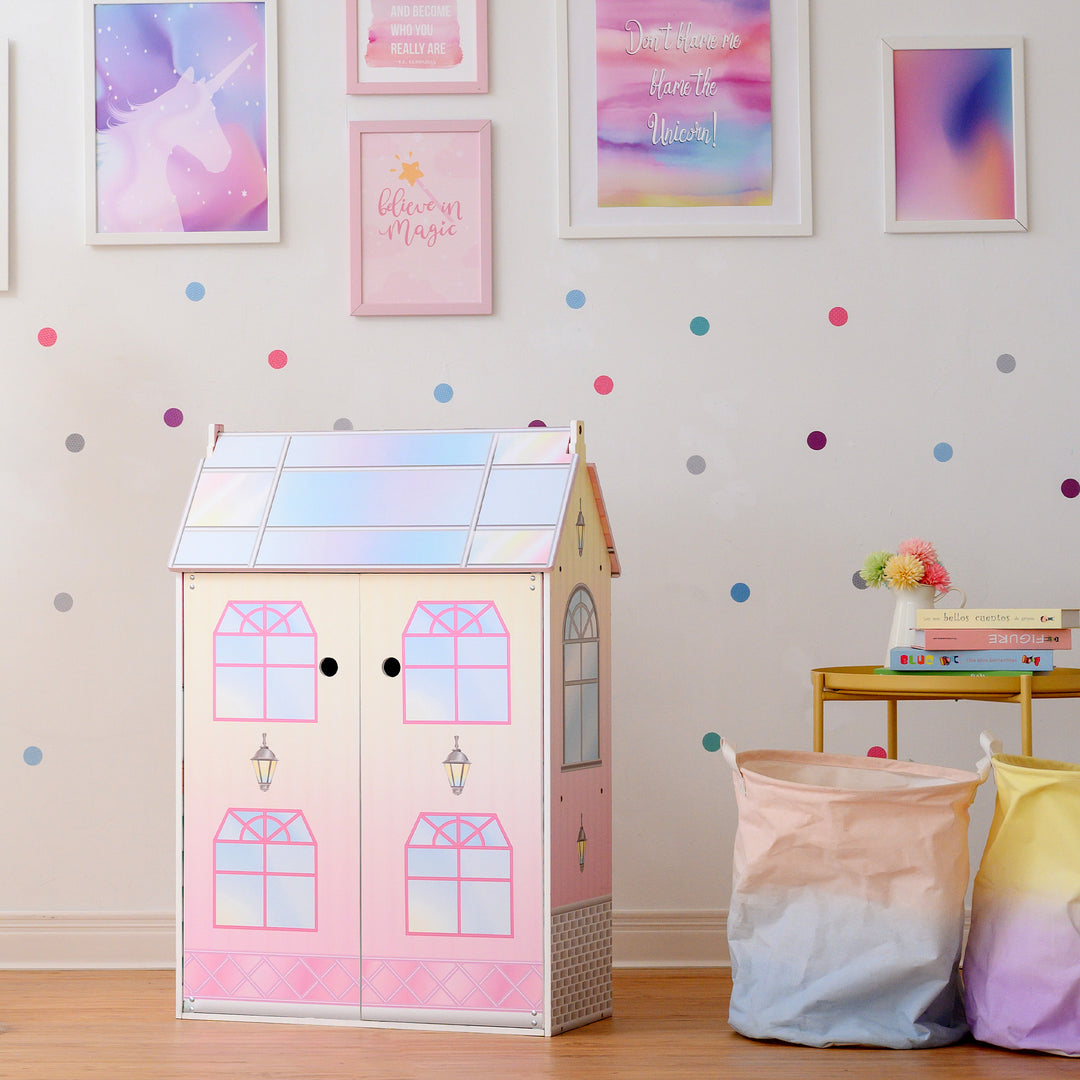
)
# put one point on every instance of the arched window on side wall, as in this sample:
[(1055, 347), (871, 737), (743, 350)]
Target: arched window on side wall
[(581, 680)]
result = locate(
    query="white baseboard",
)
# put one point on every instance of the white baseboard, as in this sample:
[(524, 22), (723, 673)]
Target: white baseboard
[(33, 940), (670, 938)]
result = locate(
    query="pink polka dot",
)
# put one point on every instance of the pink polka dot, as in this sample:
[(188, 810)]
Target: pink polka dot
[(46, 336), (173, 417), (877, 751), (838, 316), (603, 384), (278, 359)]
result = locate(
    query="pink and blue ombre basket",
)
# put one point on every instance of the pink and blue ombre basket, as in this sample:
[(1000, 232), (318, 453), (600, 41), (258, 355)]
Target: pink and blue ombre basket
[(847, 909)]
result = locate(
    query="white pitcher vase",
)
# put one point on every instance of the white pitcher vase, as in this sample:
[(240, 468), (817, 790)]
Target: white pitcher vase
[(908, 601)]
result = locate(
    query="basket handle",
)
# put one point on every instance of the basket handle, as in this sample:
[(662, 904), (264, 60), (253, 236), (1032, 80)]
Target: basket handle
[(991, 745), (731, 757)]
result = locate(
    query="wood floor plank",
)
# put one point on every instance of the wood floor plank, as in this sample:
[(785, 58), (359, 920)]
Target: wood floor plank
[(668, 1025)]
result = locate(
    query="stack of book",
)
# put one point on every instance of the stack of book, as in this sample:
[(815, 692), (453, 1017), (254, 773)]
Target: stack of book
[(987, 640)]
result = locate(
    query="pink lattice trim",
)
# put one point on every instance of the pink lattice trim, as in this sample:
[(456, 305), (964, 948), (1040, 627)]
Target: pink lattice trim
[(234, 976)]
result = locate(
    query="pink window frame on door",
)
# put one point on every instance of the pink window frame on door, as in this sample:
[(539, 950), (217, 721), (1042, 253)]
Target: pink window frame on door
[(458, 833), (271, 621), (458, 623), (268, 829)]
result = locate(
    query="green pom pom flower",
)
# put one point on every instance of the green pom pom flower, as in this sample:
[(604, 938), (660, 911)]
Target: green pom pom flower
[(873, 569)]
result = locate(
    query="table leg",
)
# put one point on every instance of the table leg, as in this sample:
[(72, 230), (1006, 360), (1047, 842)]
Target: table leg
[(1025, 714), (819, 711), (891, 725)]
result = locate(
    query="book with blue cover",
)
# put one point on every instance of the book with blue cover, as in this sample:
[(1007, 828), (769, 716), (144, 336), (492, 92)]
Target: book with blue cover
[(934, 661)]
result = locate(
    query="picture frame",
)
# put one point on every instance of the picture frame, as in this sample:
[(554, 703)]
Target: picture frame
[(201, 76), (782, 140), (954, 134), (409, 47), (420, 217), (5, 174)]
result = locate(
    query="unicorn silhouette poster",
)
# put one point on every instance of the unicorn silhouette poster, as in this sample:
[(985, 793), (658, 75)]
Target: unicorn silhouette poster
[(184, 132)]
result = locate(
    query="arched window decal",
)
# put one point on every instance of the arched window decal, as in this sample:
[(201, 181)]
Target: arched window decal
[(456, 664), (264, 663), (265, 871), (459, 876), (581, 680)]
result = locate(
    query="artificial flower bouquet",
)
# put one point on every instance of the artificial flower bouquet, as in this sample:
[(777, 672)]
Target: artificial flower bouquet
[(915, 562)]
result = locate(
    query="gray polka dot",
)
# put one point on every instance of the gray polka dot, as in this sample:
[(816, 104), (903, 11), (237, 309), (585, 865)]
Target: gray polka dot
[(857, 581), (62, 601), (1006, 362), (343, 423), (695, 465), (75, 442)]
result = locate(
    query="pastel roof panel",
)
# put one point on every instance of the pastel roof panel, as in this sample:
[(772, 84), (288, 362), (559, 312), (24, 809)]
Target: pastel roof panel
[(378, 500)]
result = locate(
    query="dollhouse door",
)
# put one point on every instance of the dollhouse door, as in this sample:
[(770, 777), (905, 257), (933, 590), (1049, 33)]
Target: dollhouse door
[(451, 880), (271, 871)]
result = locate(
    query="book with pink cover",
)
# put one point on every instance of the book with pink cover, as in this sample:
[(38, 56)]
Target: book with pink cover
[(993, 639)]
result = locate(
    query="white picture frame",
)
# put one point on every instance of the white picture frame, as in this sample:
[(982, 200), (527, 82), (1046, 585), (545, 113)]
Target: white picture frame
[(220, 185), (789, 214), (928, 176)]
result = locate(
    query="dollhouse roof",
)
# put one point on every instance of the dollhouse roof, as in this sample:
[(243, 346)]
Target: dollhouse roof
[(390, 500)]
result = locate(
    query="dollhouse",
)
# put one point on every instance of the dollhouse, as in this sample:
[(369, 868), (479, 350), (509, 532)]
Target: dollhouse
[(395, 730)]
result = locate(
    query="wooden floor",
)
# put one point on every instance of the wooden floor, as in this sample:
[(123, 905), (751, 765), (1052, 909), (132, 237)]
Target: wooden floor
[(118, 1025)]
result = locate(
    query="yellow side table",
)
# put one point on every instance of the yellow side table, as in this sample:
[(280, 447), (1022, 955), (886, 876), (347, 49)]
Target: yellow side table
[(866, 684)]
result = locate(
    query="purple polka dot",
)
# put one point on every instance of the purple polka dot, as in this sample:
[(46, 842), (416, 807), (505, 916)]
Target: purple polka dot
[(1070, 488), (537, 423), (816, 440), (173, 417)]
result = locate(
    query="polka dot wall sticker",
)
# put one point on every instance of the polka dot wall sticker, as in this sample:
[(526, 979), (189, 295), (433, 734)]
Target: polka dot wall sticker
[(695, 465), (46, 337), (877, 751), (277, 359), (858, 582), (943, 451), (1070, 488), (711, 741), (62, 601), (173, 417), (603, 384), (75, 443), (537, 423), (195, 291), (343, 423), (740, 592), (816, 440), (443, 393), (838, 316), (575, 299), (1006, 363), (32, 755), (699, 326)]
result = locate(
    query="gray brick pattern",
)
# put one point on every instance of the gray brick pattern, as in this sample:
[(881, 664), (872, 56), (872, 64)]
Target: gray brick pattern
[(580, 965)]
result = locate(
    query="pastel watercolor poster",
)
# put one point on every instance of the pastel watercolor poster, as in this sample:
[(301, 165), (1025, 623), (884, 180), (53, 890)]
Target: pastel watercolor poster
[(413, 36), (182, 121), (421, 218), (954, 134), (684, 103)]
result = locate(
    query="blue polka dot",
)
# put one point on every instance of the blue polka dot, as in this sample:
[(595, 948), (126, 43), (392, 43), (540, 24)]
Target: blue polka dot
[(740, 592), (699, 325), (444, 392), (32, 755), (711, 742), (575, 298), (943, 451), (196, 290)]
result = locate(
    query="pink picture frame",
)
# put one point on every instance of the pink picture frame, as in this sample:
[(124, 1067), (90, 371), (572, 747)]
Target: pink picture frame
[(414, 47), (420, 217)]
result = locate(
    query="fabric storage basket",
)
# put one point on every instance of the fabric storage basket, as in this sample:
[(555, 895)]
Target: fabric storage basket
[(847, 907), (1022, 965)]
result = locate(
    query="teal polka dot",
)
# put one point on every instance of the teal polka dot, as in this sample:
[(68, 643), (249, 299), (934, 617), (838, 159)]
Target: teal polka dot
[(711, 742), (444, 392), (575, 298), (196, 290), (32, 755), (699, 326), (740, 592), (943, 451)]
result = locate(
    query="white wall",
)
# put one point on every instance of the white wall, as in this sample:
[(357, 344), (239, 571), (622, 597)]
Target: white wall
[(89, 829)]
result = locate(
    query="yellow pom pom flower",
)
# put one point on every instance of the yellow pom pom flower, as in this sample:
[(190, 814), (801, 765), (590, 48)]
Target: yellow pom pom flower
[(904, 572)]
